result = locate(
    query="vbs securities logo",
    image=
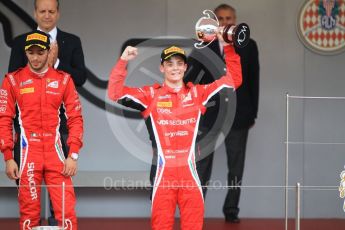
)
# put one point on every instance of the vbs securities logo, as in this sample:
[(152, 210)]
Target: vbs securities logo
[(321, 26)]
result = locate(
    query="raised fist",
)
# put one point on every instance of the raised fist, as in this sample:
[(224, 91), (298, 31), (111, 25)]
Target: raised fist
[(129, 53)]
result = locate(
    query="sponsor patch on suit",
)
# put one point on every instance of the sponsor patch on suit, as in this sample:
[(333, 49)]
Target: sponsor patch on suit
[(27, 90), (164, 104)]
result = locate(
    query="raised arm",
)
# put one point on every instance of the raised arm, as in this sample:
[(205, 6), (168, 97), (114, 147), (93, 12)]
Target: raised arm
[(137, 98), (232, 78)]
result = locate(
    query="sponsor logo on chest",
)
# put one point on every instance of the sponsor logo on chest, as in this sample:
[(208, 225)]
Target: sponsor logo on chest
[(52, 84), (164, 104), (27, 90), (188, 121), (177, 151), (27, 82), (176, 134), (164, 97), (164, 110), (52, 93)]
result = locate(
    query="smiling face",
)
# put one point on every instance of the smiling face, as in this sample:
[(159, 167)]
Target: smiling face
[(173, 70), (46, 14), (37, 58)]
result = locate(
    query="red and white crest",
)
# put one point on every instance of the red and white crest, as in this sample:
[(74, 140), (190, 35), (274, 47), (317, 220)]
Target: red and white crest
[(321, 25)]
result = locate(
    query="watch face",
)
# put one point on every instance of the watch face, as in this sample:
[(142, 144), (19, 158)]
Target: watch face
[(74, 156)]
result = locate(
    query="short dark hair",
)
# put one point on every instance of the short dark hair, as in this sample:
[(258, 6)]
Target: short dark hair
[(224, 7), (57, 1)]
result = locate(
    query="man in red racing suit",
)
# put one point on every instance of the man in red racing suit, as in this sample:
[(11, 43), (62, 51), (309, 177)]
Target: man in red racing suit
[(173, 109), (39, 93)]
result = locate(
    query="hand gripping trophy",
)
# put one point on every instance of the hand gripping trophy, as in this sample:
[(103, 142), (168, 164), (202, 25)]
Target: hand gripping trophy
[(207, 28)]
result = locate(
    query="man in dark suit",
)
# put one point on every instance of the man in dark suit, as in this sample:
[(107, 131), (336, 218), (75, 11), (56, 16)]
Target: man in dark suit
[(246, 97), (66, 54), (66, 50)]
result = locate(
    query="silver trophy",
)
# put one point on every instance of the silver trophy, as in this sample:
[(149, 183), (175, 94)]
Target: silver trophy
[(207, 27)]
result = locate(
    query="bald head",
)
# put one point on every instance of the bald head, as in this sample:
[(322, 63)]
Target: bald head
[(57, 4), (46, 14)]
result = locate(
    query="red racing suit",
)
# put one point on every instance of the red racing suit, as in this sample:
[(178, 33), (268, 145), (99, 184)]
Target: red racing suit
[(174, 117), (38, 98)]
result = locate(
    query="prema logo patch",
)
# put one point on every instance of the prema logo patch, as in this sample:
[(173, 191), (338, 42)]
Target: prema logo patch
[(187, 98), (54, 84)]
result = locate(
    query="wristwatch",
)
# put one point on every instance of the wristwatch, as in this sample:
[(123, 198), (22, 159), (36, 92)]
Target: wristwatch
[(74, 156)]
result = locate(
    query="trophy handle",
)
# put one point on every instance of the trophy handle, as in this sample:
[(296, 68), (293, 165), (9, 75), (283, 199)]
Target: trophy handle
[(200, 44), (209, 13)]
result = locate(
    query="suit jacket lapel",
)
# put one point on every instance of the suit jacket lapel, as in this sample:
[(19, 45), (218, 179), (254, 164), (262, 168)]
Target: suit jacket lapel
[(60, 38)]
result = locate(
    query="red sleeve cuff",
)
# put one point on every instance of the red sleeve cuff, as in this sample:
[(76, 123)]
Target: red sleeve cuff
[(8, 155), (73, 149)]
